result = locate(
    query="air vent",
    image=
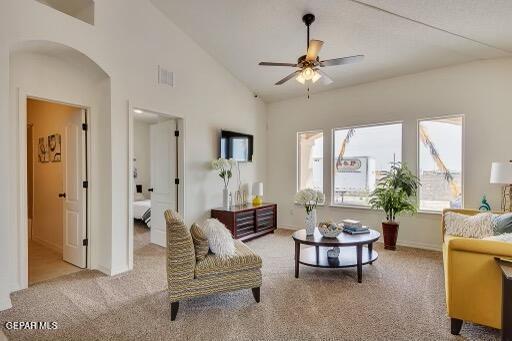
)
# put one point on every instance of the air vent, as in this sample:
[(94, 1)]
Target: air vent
[(165, 77)]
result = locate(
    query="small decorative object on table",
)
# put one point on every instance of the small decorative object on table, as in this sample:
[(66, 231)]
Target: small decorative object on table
[(329, 229), (310, 198), (484, 205), (225, 168), (334, 252), (354, 227), (257, 191)]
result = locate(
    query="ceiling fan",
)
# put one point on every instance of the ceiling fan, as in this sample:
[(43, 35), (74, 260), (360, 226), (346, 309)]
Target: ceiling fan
[(310, 64)]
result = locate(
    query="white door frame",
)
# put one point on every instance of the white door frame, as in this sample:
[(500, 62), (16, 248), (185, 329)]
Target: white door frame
[(180, 124), (23, 96)]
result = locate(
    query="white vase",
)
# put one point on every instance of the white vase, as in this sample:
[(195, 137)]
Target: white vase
[(310, 223), (225, 198)]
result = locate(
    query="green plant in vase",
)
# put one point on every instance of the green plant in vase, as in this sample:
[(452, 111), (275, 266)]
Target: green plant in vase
[(395, 193)]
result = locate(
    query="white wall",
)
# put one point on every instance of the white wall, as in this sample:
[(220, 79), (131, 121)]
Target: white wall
[(141, 152), (129, 40), (480, 91)]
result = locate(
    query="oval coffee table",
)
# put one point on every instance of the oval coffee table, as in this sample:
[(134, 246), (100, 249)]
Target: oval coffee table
[(353, 252)]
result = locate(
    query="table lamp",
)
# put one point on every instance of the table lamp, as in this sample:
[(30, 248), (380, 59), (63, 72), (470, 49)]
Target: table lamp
[(257, 191), (501, 173)]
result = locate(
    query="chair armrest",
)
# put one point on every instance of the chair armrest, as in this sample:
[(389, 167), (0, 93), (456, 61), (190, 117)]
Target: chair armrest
[(489, 247)]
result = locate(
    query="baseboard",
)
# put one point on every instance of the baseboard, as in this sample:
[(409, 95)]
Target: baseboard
[(112, 271), (49, 245), (289, 227), (102, 269), (405, 243), (119, 270), (158, 237), (423, 246)]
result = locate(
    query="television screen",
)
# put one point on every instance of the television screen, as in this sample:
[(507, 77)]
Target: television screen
[(236, 146)]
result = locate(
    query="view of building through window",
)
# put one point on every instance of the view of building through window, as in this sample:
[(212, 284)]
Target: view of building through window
[(440, 163), (310, 160), (361, 156)]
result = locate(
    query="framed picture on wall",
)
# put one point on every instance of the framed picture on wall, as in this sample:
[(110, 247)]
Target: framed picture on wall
[(54, 146), (42, 153)]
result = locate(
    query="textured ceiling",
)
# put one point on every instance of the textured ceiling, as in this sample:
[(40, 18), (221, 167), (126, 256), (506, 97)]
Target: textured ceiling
[(241, 33)]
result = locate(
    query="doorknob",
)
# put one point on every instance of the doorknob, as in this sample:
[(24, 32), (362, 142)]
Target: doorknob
[(62, 195)]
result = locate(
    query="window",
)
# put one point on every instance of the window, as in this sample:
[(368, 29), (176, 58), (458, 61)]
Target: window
[(361, 156), (310, 156), (440, 163)]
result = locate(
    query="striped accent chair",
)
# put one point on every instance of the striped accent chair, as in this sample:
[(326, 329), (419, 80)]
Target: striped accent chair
[(189, 278)]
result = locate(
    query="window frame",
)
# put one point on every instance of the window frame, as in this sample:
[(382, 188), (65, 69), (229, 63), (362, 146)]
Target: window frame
[(297, 158), (333, 153), (463, 148)]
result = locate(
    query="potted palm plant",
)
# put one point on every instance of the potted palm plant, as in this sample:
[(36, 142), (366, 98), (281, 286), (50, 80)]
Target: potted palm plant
[(395, 193)]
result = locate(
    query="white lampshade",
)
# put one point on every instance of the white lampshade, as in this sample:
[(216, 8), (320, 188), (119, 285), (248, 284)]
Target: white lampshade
[(501, 173), (247, 188), (257, 189)]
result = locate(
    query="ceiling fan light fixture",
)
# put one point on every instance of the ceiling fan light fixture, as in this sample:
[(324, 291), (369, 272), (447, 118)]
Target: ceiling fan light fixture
[(300, 78), (316, 77), (308, 73)]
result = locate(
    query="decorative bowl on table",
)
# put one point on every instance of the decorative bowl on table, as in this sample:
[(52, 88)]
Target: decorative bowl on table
[(330, 229)]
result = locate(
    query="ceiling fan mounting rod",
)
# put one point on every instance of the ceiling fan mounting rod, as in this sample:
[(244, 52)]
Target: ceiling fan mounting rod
[(308, 19)]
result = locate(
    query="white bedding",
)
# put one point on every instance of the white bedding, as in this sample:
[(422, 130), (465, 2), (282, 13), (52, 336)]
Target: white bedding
[(140, 207)]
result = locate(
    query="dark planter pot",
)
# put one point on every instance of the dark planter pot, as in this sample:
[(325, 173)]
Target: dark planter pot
[(390, 230)]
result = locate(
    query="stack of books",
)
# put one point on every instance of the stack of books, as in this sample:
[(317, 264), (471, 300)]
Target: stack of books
[(354, 227)]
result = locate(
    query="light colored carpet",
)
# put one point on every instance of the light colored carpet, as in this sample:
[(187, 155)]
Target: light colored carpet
[(401, 298)]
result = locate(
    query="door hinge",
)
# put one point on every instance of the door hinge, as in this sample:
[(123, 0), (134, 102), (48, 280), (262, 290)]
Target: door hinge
[(84, 126), (176, 133), (85, 184), (85, 242), (177, 181)]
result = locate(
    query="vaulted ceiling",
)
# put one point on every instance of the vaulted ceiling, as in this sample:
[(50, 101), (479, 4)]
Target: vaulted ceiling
[(397, 37)]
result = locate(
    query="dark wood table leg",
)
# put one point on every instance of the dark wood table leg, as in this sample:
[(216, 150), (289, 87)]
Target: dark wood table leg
[(317, 250), (370, 252), (297, 257), (506, 312), (359, 263)]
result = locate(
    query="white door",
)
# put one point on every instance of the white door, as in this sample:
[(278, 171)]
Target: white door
[(73, 159), (163, 174)]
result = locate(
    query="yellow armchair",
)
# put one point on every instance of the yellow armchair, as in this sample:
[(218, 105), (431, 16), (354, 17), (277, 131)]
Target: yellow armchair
[(472, 278)]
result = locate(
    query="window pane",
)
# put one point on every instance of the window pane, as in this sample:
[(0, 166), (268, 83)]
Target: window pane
[(440, 163), (361, 155), (310, 159)]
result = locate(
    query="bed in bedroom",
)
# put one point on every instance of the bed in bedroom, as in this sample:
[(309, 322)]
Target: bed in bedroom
[(142, 207)]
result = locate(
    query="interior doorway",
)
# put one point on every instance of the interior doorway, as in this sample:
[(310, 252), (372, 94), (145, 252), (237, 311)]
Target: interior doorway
[(156, 151), (56, 189)]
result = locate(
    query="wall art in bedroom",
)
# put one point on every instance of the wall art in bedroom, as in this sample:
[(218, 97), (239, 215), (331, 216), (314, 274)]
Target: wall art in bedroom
[(42, 153), (54, 146)]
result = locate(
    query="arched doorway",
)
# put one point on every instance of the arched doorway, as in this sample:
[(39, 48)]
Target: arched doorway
[(58, 74)]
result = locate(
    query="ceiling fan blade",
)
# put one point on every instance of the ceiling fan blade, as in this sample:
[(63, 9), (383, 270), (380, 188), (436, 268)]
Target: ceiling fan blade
[(341, 61), (287, 78), (277, 64), (314, 49), (326, 80)]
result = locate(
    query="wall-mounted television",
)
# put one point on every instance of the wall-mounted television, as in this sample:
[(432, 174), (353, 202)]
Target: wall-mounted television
[(236, 146)]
